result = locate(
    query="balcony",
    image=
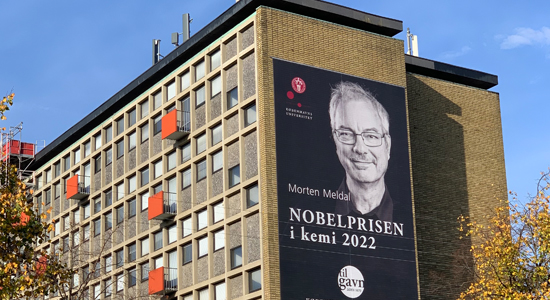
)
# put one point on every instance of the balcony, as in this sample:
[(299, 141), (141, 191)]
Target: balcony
[(17, 148), (78, 187), (163, 281), (176, 125), (162, 206)]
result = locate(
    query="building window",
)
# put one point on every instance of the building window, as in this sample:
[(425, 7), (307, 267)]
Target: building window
[(66, 223), (236, 257), (144, 201), (119, 214), (252, 197), (187, 228), (131, 208), (171, 160), (254, 280), (131, 141), (108, 198), (234, 176), (76, 216), (185, 81), (187, 253), (57, 169), (144, 107), (108, 221), (158, 125), (131, 118), (202, 219), (144, 177), (48, 176), (144, 132), (203, 294), (108, 288), (56, 191), (200, 70), (158, 262), (145, 246), (119, 255), (66, 163), (158, 240), (108, 264), (157, 167), (97, 291), (232, 97), (201, 170), (108, 156), (201, 143), (76, 238), (172, 234), (217, 134), (250, 115), (120, 191), (57, 228), (87, 211), (132, 252), (108, 134), (87, 149), (157, 100), (157, 188), (145, 271), (76, 156), (219, 240), (97, 163), (97, 227), (186, 178), (120, 149), (186, 152), (171, 90), (119, 126), (217, 161), (219, 212), (215, 86), (219, 291), (132, 185), (215, 59), (120, 283), (66, 244), (86, 230), (97, 205), (132, 277), (202, 244), (199, 96)]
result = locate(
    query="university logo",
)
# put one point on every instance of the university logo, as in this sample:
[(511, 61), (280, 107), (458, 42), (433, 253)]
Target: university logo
[(351, 282), (298, 85)]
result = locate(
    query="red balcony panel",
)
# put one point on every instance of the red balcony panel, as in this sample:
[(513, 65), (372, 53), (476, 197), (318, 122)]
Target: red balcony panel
[(76, 188), (27, 149), (175, 125), (18, 148), (156, 280), (156, 205)]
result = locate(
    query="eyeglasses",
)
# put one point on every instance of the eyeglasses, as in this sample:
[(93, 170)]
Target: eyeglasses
[(348, 137)]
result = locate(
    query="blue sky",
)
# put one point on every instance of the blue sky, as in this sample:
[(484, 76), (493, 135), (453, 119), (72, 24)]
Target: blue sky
[(64, 58)]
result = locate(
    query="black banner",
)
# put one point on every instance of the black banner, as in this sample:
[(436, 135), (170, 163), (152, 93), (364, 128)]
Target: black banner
[(344, 187)]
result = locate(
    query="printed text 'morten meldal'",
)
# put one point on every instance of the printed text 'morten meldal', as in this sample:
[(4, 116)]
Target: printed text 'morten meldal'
[(336, 195)]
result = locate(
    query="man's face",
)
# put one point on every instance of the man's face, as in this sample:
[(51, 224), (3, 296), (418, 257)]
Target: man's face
[(362, 163)]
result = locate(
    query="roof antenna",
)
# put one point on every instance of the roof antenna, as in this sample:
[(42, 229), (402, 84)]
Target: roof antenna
[(156, 51), (412, 39), (185, 33)]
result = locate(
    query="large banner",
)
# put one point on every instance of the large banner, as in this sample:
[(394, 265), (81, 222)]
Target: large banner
[(344, 188)]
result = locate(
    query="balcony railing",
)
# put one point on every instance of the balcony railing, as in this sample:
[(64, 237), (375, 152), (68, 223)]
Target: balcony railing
[(163, 205), (78, 187), (163, 281), (176, 124)]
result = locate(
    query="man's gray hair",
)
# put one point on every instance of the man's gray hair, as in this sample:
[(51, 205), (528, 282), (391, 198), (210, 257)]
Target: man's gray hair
[(348, 91)]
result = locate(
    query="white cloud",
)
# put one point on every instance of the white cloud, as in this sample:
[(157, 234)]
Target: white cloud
[(526, 36), (452, 54)]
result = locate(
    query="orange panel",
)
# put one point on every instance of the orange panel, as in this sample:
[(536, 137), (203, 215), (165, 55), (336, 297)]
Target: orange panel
[(156, 205), (169, 123), (72, 186), (156, 281)]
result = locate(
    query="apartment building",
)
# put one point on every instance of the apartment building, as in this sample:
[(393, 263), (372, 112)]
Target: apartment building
[(176, 186)]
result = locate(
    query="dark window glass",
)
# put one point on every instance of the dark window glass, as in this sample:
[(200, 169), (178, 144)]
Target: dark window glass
[(232, 97), (187, 253), (158, 125), (234, 175), (120, 214), (201, 170), (236, 257), (131, 208), (120, 148), (97, 163), (132, 117)]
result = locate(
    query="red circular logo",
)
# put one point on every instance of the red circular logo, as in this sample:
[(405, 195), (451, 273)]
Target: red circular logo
[(298, 85)]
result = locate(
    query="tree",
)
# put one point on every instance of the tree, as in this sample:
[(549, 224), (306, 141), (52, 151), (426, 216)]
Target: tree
[(24, 272), (512, 250)]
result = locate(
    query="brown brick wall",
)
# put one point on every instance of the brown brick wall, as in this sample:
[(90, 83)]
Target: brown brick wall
[(458, 168), (313, 42)]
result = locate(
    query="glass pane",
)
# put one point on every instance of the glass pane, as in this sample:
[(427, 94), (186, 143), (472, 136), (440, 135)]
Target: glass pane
[(216, 86), (215, 60), (199, 96), (185, 81), (200, 70), (171, 90)]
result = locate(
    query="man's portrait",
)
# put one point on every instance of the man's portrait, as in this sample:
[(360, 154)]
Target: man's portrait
[(360, 128)]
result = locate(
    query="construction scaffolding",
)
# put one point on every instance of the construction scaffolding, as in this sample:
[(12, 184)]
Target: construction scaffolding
[(18, 153)]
